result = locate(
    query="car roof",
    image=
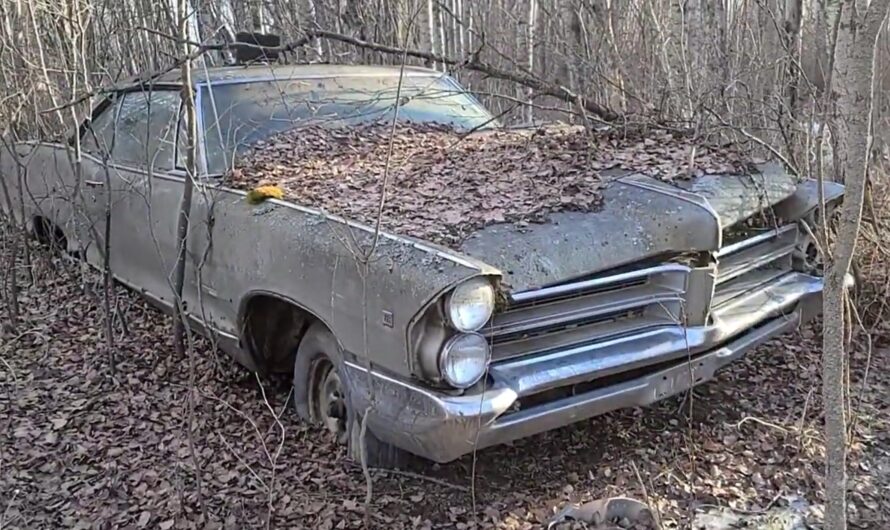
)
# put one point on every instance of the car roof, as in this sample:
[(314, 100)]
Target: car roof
[(258, 72)]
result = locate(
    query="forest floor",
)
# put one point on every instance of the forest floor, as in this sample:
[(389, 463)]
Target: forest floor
[(83, 448)]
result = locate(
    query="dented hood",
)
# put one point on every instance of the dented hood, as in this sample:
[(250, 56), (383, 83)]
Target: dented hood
[(641, 218)]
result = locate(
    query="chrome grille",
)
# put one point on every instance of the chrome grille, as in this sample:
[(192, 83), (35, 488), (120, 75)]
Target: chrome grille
[(609, 307), (592, 310), (753, 262)]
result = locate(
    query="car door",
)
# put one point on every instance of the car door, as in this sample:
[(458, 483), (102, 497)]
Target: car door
[(137, 170), (90, 195)]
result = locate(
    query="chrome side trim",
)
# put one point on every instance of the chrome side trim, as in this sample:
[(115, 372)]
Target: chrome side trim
[(439, 253), (228, 342)]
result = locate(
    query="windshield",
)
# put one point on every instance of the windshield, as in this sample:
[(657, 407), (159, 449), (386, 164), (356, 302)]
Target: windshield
[(238, 115)]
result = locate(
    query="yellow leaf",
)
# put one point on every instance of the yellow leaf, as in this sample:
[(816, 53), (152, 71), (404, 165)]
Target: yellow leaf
[(258, 195)]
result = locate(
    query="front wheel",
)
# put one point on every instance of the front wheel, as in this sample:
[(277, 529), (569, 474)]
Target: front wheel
[(808, 254), (321, 396)]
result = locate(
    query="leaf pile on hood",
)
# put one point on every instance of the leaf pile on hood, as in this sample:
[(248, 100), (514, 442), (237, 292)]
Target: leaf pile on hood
[(442, 185)]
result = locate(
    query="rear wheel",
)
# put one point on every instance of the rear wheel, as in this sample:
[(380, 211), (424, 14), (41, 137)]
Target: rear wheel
[(321, 396)]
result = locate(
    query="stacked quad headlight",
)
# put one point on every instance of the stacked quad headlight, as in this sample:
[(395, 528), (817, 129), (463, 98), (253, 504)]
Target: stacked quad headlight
[(469, 306), (463, 357)]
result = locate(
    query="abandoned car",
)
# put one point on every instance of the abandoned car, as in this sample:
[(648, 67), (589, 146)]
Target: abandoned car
[(519, 329)]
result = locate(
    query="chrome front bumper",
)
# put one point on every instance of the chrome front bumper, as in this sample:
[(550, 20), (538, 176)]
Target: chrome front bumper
[(442, 427)]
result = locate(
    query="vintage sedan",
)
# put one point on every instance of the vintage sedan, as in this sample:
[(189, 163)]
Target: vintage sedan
[(443, 350)]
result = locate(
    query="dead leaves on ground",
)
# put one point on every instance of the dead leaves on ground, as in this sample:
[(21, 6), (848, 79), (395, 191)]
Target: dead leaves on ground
[(80, 451)]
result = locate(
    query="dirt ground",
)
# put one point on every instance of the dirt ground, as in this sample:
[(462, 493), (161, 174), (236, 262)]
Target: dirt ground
[(82, 449)]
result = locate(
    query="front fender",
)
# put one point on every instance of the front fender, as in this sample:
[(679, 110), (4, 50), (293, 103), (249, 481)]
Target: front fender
[(314, 259), (806, 199)]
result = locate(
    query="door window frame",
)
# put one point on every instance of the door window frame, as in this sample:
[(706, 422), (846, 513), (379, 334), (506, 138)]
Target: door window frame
[(109, 103)]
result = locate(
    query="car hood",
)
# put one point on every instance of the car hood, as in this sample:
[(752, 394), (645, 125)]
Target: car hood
[(640, 218)]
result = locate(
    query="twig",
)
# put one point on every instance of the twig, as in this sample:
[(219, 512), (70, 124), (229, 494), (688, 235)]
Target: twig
[(274, 461), (741, 130), (762, 422), (424, 478), (655, 512), (15, 493), (803, 418), (386, 169), (472, 62)]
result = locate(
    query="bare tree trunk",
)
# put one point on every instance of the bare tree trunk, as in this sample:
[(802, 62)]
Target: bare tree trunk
[(10, 282), (443, 49), (793, 20), (853, 81), (461, 27), (532, 23), (313, 15), (182, 233), (107, 281), (431, 19), (791, 82), (257, 16)]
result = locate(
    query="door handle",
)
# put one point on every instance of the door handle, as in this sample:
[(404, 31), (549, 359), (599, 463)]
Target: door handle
[(94, 183)]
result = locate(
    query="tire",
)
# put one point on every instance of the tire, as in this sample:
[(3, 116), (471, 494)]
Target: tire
[(809, 261), (49, 235), (317, 364)]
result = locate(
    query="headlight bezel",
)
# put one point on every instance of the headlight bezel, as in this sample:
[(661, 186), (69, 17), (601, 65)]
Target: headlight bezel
[(448, 349), (451, 311)]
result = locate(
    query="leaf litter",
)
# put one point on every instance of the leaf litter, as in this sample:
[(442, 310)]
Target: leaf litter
[(444, 185), (81, 450), (78, 450)]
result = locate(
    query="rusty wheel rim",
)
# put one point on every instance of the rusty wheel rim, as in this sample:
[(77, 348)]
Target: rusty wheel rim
[(329, 399)]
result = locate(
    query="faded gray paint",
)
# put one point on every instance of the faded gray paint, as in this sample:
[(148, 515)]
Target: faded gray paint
[(640, 218), (633, 224), (737, 197), (305, 256), (298, 254), (309, 258), (806, 197)]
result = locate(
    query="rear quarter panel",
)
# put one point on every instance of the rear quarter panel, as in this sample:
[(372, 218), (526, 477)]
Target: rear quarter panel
[(40, 181)]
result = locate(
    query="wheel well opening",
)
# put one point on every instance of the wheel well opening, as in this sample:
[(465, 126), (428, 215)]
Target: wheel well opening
[(273, 329), (48, 233)]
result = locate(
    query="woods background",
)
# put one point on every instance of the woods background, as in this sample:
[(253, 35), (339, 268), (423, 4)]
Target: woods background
[(751, 71), (757, 64)]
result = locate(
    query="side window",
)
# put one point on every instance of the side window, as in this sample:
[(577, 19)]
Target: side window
[(138, 130), (98, 139), (146, 129)]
